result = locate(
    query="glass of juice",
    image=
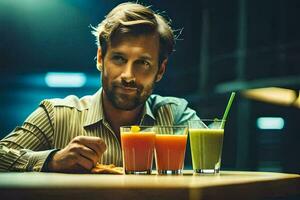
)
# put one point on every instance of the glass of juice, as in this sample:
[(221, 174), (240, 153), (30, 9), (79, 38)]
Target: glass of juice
[(170, 144), (206, 139), (137, 148)]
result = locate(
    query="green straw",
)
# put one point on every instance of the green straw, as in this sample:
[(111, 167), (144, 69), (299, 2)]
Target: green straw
[(227, 109)]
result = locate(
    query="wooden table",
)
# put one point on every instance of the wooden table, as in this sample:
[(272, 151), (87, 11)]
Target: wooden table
[(227, 185)]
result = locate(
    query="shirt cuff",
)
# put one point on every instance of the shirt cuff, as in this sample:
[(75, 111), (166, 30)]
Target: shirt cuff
[(37, 160), (48, 159)]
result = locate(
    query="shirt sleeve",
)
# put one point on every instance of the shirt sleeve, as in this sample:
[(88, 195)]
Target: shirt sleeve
[(27, 147)]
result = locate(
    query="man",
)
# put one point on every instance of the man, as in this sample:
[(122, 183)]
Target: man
[(71, 134)]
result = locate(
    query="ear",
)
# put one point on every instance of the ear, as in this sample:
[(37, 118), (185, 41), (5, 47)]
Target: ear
[(161, 70), (99, 59)]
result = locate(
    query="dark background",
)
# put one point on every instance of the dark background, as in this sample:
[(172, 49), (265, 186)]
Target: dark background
[(225, 46)]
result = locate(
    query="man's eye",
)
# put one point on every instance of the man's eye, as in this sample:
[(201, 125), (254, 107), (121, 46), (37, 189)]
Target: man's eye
[(118, 59), (144, 64)]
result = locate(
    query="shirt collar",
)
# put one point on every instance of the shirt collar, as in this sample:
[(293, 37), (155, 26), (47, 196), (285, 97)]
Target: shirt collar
[(148, 110), (95, 111)]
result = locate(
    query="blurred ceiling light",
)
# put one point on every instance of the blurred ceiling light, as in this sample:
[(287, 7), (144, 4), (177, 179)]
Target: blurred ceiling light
[(281, 96), (297, 102), (270, 123), (65, 79)]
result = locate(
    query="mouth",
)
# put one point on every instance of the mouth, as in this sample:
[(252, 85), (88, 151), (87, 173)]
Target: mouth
[(127, 90)]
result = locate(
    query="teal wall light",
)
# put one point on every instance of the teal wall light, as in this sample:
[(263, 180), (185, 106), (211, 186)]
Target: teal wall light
[(270, 123), (65, 80)]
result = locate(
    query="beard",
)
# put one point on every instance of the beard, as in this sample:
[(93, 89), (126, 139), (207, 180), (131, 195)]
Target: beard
[(125, 101)]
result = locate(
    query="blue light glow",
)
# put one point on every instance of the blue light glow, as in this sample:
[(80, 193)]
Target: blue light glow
[(65, 79), (270, 123)]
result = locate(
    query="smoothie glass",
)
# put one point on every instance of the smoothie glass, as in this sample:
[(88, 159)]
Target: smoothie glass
[(170, 145), (206, 139), (137, 148)]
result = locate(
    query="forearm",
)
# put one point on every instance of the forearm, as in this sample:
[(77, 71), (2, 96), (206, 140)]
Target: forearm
[(12, 159), (27, 147)]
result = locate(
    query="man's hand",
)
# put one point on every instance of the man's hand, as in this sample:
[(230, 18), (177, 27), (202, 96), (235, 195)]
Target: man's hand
[(80, 155)]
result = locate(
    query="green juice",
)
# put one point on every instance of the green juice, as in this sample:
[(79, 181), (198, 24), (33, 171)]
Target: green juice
[(206, 148)]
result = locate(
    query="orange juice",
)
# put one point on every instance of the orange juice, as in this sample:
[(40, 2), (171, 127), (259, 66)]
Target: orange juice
[(137, 149), (170, 151)]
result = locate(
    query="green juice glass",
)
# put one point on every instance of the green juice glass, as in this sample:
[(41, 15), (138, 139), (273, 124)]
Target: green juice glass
[(206, 139)]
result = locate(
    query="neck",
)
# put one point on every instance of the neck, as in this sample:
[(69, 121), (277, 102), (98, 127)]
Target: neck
[(117, 117)]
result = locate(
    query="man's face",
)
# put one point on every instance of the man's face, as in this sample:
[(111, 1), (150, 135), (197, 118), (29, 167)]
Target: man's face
[(130, 70)]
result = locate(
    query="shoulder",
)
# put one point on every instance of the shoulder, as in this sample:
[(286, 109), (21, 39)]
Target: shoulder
[(70, 101), (155, 101), (172, 108), (62, 111)]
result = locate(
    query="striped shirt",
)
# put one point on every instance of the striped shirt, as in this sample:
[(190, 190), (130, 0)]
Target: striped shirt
[(57, 121)]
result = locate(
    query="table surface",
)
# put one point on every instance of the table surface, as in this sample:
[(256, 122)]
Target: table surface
[(228, 184)]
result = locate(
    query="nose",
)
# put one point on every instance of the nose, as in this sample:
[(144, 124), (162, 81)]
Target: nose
[(127, 74)]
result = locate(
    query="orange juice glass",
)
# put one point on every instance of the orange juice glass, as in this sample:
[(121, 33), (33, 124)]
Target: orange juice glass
[(170, 145), (137, 149)]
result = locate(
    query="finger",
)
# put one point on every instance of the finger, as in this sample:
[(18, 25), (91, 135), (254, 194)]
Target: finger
[(89, 154), (82, 170), (102, 146), (84, 162), (95, 143)]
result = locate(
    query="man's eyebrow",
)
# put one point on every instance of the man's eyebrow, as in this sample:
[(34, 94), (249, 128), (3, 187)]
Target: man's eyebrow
[(146, 57), (117, 53), (143, 57)]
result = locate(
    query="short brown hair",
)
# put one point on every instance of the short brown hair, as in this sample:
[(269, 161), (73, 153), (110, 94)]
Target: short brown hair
[(135, 19)]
